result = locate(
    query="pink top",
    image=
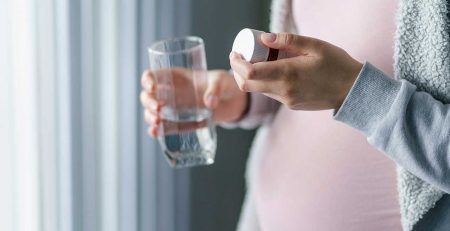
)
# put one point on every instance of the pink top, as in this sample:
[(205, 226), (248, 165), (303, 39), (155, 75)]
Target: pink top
[(316, 173)]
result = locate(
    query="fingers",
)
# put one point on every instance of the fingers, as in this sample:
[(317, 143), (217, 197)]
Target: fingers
[(211, 97), (152, 106), (148, 84), (153, 120), (149, 102), (165, 76), (147, 81), (219, 88), (152, 131), (172, 128), (291, 42), (245, 73), (256, 77), (241, 66), (258, 71), (152, 109)]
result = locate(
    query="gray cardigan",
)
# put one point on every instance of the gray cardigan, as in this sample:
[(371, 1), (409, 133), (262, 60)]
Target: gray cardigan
[(412, 127), (400, 118)]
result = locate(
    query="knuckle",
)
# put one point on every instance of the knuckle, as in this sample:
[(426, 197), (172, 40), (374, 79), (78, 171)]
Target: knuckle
[(251, 74), (287, 38), (145, 75), (287, 70), (290, 91), (290, 103), (291, 106), (147, 118), (290, 95), (147, 78), (143, 97), (150, 118), (150, 132), (148, 73), (320, 47), (286, 90), (243, 85)]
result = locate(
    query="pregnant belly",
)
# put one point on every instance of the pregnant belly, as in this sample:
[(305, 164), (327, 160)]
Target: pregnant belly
[(318, 174)]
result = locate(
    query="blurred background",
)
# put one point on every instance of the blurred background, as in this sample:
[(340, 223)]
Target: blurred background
[(74, 153)]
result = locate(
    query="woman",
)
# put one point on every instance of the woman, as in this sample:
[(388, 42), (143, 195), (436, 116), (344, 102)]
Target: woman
[(309, 172)]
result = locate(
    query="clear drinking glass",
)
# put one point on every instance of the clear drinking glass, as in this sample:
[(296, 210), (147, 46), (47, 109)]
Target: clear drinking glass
[(187, 133)]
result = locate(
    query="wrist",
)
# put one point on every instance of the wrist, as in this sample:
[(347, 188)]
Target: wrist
[(353, 73), (371, 97), (245, 107)]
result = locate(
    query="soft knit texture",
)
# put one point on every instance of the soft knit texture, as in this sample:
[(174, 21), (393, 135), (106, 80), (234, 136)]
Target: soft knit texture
[(421, 57), (422, 52), (407, 125)]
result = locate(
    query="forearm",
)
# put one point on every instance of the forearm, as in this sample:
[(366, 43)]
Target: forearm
[(411, 127)]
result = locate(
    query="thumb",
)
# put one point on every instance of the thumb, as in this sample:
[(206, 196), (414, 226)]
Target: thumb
[(211, 97), (290, 42)]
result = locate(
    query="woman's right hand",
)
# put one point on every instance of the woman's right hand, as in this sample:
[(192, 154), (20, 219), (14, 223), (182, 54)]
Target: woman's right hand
[(222, 95)]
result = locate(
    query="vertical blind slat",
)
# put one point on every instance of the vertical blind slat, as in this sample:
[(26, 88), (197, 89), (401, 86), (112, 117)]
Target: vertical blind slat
[(47, 118), (76, 112), (89, 116), (108, 94), (148, 24), (64, 90), (7, 157), (128, 85), (25, 114)]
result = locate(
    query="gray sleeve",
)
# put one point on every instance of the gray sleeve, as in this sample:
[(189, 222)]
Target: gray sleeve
[(261, 109), (410, 127)]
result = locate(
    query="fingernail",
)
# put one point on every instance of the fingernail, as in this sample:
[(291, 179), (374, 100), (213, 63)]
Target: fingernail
[(269, 37), (213, 101)]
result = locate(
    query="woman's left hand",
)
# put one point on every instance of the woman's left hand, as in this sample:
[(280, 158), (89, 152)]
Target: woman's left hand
[(317, 76)]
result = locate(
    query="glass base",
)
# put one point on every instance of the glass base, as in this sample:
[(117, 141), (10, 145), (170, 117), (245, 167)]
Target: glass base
[(189, 160)]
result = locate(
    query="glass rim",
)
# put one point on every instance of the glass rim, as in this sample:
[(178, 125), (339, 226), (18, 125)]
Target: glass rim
[(152, 49)]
